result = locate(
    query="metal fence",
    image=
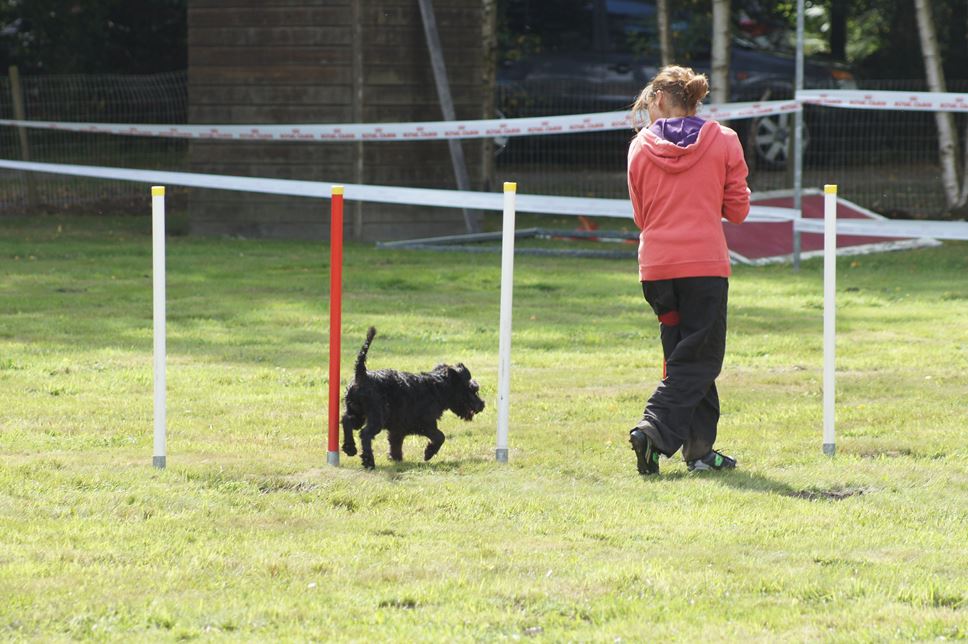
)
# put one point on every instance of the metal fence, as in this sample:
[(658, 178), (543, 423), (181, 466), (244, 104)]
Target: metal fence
[(157, 98), (884, 160)]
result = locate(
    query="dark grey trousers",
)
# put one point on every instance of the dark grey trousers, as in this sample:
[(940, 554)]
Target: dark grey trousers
[(684, 410)]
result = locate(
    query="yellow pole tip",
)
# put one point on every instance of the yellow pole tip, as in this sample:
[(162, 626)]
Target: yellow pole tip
[(510, 186), (830, 189), (157, 191), (337, 190)]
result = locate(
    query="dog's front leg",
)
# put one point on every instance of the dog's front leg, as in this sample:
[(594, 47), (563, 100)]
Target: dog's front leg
[(437, 439), (350, 422)]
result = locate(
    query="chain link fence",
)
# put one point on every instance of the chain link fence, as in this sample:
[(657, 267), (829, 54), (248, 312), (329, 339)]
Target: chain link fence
[(884, 160)]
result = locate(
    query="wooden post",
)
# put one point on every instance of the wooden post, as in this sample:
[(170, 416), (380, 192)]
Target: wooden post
[(20, 114), (488, 82), (357, 102), (471, 217)]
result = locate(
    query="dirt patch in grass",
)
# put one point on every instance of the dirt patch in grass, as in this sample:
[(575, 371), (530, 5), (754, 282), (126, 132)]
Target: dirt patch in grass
[(836, 494)]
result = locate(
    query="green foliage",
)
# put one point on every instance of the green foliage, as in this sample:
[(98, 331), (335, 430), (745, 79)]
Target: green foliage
[(248, 535), (94, 36)]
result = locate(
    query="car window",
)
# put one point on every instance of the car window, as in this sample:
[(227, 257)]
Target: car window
[(622, 27), (632, 27), (556, 27)]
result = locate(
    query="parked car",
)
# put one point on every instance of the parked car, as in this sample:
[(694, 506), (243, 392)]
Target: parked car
[(576, 56)]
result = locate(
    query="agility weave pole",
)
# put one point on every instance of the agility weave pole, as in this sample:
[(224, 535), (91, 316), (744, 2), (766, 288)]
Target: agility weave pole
[(504, 343), (158, 297), (535, 203), (335, 318), (829, 316)]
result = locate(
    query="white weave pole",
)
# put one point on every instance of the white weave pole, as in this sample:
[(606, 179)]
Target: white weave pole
[(504, 345), (829, 314), (158, 288)]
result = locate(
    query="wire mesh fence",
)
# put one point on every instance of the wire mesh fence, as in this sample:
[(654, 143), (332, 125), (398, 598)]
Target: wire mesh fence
[(884, 160), (157, 98)]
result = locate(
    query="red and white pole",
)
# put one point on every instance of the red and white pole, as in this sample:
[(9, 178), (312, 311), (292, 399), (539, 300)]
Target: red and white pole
[(335, 318)]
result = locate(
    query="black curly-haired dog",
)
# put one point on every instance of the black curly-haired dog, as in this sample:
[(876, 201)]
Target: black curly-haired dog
[(405, 404)]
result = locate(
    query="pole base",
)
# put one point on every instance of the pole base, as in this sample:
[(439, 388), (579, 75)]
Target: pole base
[(332, 458), (829, 449), (159, 462), (501, 454)]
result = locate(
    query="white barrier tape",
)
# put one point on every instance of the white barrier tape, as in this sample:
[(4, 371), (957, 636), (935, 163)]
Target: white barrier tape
[(431, 130), (955, 230), (542, 204), (875, 100), (731, 111)]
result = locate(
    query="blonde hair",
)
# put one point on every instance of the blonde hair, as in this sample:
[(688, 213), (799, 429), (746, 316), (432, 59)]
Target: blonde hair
[(684, 87)]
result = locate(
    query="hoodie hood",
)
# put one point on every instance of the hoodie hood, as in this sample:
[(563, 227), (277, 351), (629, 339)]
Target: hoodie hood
[(681, 130), (673, 158)]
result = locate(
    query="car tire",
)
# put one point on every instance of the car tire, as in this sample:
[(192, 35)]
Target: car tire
[(771, 139)]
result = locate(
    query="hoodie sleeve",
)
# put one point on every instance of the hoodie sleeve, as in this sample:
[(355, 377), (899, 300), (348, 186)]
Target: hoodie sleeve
[(736, 194), (637, 215)]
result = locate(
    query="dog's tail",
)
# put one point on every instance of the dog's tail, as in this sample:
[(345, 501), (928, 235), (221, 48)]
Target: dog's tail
[(361, 357)]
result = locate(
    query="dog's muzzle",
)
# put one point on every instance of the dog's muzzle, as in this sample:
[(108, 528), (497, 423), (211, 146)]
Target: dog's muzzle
[(475, 406)]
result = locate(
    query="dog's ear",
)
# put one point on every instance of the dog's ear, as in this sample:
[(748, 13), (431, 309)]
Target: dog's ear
[(464, 372)]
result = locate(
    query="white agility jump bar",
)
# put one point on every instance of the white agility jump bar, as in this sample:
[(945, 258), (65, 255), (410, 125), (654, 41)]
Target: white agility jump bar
[(540, 204)]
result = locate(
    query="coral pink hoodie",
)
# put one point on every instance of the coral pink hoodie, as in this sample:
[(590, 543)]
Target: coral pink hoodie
[(679, 196)]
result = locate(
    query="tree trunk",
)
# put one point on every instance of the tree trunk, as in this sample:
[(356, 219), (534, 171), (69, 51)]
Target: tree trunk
[(720, 57), (964, 160), (838, 29), (665, 42), (489, 82), (600, 27), (947, 136)]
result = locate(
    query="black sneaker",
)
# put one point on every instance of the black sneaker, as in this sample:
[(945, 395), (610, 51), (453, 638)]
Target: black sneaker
[(712, 461), (646, 453)]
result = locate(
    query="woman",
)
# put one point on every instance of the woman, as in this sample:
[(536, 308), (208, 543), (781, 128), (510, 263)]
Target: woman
[(684, 174)]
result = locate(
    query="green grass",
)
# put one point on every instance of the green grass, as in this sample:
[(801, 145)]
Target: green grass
[(249, 535)]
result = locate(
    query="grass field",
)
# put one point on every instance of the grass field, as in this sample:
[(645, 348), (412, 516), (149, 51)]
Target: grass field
[(249, 535)]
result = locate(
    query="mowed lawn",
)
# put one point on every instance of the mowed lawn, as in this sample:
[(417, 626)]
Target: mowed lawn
[(249, 535)]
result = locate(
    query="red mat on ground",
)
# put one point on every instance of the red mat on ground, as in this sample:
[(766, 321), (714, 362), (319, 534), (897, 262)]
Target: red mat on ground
[(754, 241)]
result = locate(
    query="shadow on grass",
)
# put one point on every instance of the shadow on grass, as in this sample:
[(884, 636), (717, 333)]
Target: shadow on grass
[(395, 469), (751, 482)]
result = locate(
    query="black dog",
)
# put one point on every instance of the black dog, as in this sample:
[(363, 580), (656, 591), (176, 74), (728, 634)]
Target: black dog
[(404, 403)]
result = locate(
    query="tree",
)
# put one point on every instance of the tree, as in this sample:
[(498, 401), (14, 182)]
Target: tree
[(665, 40), (838, 28), (947, 135), (94, 36), (722, 37)]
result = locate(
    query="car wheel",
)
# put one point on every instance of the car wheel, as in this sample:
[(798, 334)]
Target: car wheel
[(771, 139)]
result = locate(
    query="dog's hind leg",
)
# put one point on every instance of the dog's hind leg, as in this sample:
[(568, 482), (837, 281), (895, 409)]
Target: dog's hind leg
[(437, 439), (374, 424)]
